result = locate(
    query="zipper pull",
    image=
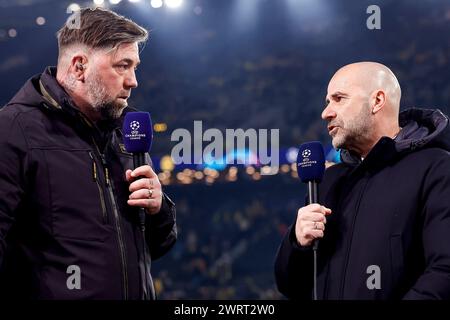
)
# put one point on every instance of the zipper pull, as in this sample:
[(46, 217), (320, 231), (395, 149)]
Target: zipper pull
[(107, 177), (105, 166), (94, 167)]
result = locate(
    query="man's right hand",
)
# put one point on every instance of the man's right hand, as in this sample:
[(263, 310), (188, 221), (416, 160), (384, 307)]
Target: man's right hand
[(310, 223)]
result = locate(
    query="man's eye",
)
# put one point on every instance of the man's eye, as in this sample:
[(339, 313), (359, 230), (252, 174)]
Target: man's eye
[(122, 66), (338, 98)]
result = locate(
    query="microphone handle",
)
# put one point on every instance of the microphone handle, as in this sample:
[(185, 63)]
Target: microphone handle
[(313, 195), (138, 159), (148, 288)]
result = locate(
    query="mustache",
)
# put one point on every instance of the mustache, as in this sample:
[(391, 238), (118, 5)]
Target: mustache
[(124, 94), (335, 124)]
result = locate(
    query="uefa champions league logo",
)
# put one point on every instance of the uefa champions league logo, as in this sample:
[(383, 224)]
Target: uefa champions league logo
[(134, 125), (305, 154), (134, 134)]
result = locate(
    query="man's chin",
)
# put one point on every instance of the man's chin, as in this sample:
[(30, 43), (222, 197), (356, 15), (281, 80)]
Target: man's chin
[(114, 110), (338, 142)]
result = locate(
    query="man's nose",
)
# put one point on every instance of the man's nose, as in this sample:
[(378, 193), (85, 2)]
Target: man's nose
[(328, 113), (131, 81)]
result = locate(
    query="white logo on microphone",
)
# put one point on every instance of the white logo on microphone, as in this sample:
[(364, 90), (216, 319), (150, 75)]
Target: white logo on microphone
[(306, 153), (134, 125), (134, 134)]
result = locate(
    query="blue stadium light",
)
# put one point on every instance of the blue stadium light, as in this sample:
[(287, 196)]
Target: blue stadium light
[(291, 155), (213, 162)]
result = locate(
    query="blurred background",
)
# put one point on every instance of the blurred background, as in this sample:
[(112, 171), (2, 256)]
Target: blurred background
[(262, 64)]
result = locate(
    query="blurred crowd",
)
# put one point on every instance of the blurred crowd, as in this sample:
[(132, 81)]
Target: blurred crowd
[(228, 236)]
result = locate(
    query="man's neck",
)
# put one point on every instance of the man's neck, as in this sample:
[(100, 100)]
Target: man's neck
[(80, 103), (393, 133)]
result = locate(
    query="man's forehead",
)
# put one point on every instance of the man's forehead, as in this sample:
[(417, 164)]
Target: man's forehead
[(343, 81), (126, 51)]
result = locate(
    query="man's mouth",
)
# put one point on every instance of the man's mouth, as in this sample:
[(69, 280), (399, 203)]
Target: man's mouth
[(332, 129), (125, 96)]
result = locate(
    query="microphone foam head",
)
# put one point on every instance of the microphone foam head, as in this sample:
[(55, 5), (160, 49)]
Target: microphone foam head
[(137, 132), (311, 161)]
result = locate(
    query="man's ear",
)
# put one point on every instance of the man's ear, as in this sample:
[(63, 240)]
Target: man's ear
[(377, 100), (78, 66)]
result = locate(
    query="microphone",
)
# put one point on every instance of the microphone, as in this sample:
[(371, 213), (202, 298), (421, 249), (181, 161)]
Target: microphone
[(310, 169), (137, 137)]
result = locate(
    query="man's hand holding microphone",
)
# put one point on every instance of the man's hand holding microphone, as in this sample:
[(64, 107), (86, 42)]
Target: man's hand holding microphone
[(310, 224), (311, 219)]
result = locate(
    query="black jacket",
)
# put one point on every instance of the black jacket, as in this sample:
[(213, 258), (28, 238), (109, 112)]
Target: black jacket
[(63, 202), (391, 210)]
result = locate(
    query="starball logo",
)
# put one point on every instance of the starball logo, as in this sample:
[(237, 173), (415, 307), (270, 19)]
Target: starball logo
[(306, 153), (135, 135), (306, 162), (134, 125)]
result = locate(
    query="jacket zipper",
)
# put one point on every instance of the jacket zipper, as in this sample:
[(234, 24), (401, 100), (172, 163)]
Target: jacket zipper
[(117, 222), (100, 191), (341, 295)]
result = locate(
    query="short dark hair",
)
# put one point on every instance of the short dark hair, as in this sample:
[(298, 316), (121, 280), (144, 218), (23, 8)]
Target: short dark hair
[(100, 29)]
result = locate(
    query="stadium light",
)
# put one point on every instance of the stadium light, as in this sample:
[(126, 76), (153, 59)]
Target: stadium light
[(12, 33), (114, 1), (134, 0), (156, 3), (99, 2), (40, 21), (173, 3), (291, 155), (73, 7)]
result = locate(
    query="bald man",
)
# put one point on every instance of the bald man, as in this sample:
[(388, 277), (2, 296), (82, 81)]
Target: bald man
[(384, 218)]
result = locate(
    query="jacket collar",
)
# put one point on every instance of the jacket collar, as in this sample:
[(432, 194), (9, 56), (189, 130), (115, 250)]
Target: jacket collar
[(421, 128), (59, 100)]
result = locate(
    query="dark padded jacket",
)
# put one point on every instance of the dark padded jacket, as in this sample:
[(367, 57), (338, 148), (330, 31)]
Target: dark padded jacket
[(388, 236), (63, 202)]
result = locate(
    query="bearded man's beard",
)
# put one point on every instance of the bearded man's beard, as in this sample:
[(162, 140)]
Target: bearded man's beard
[(108, 107)]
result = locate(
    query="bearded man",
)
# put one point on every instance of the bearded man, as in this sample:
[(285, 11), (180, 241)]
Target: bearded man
[(69, 199)]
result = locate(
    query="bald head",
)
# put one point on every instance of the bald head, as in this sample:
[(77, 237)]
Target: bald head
[(363, 103), (370, 77)]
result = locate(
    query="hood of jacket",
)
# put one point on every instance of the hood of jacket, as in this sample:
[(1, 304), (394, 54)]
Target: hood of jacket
[(421, 128), (44, 91)]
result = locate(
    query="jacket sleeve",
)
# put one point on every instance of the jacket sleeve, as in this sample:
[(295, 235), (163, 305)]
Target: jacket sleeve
[(294, 268), (13, 159), (434, 283), (161, 229)]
